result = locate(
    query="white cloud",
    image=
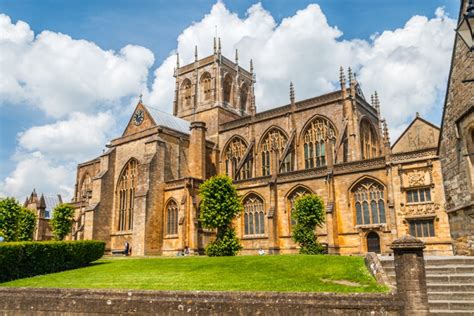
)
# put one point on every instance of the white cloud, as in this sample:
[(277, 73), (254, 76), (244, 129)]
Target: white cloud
[(60, 75), (408, 66), (36, 170), (77, 138)]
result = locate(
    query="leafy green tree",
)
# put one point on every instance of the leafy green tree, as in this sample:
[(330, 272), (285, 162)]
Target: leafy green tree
[(10, 211), (61, 223), (220, 204), (26, 225), (308, 213)]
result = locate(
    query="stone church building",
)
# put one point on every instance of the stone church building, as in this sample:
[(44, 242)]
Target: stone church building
[(144, 188)]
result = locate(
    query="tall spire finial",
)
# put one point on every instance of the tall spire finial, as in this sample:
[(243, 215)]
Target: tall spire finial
[(251, 66), (292, 93), (376, 101), (236, 56), (195, 53), (219, 46), (351, 77), (342, 78), (372, 102), (177, 60), (215, 46), (385, 131), (140, 98)]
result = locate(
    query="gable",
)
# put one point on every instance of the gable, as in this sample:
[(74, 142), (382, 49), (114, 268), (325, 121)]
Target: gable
[(133, 127), (419, 135)]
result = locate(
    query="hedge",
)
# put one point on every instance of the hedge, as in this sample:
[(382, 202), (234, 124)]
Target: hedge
[(26, 259)]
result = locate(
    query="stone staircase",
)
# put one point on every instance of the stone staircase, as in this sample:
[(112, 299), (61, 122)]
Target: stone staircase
[(450, 282)]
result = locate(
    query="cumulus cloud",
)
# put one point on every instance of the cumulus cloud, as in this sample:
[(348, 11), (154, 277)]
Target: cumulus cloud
[(77, 138), (407, 66), (36, 170), (60, 75)]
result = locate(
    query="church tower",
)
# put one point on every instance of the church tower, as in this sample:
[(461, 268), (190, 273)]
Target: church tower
[(213, 90)]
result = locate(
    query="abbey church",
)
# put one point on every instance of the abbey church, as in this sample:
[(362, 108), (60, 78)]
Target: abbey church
[(145, 188)]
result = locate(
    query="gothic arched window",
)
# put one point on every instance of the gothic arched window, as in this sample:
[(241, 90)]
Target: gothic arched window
[(186, 93), (227, 88), (234, 153), (206, 86), (316, 140), (86, 188), (369, 202), (274, 143), (254, 216), (244, 91), (296, 193), (126, 194), (368, 140), (172, 218)]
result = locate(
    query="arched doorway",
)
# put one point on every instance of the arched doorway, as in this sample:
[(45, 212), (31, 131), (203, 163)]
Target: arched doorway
[(373, 242)]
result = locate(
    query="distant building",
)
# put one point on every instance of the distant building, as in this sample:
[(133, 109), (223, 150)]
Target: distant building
[(456, 148), (43, 207), (145, 189)]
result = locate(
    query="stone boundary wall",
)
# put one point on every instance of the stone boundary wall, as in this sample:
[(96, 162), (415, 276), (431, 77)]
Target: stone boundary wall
[(30, 301)]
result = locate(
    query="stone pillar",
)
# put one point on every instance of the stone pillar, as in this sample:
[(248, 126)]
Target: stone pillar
[(410, 274), (197, 150)]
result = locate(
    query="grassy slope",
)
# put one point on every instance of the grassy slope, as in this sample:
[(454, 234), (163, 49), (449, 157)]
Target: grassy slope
[(294, 273)]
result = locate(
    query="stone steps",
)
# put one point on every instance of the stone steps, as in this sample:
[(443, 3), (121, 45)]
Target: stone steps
[(450, 283)]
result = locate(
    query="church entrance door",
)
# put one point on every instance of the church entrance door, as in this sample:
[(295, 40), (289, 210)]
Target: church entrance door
[(373, 242)]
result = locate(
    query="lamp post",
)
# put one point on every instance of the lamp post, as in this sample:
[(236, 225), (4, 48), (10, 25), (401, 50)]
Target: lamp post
[(466, 26)]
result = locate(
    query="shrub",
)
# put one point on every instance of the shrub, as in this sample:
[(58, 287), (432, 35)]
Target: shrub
[(26, 225), (308, 212), (9, 219), (225, 245), (63, 218), (220, 204), (26, 259)]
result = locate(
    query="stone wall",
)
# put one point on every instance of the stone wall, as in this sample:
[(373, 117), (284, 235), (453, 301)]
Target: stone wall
[(455, 151), (21, 301)]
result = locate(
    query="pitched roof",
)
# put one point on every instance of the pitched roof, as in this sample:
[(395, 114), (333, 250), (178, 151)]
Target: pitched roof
[(51, 202), (404, 143), (167, 120)]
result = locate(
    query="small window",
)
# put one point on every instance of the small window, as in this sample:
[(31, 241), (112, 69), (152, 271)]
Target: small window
[(422, 228), (418, 195)]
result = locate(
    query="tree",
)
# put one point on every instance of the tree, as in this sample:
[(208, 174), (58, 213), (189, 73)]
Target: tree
[(308, 213), (220, 204), (26, 225), (9, 219), (61, 223)]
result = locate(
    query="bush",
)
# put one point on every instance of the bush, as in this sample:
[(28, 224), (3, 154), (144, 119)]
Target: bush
[(226, 245), (63, 218), (26, 259), (308, 213), (26, 225), (220, 204), (9, 219)]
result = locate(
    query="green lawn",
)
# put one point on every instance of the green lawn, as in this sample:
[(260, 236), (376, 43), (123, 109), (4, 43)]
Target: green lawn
[(288, 273)]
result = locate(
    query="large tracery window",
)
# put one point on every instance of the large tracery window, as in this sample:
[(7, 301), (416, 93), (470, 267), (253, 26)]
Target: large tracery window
[(125, 194), (206, 86), (316, 140), (368, 139), (369, 202), (234, 153), (227, 88), (186, 93), (274, 144), (254, 216), (172, 218), (296, 193)]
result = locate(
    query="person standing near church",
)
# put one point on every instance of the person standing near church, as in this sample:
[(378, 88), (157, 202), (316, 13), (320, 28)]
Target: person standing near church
[(127, 247)]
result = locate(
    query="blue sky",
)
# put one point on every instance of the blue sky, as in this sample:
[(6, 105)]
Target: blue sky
[(157, 25)]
